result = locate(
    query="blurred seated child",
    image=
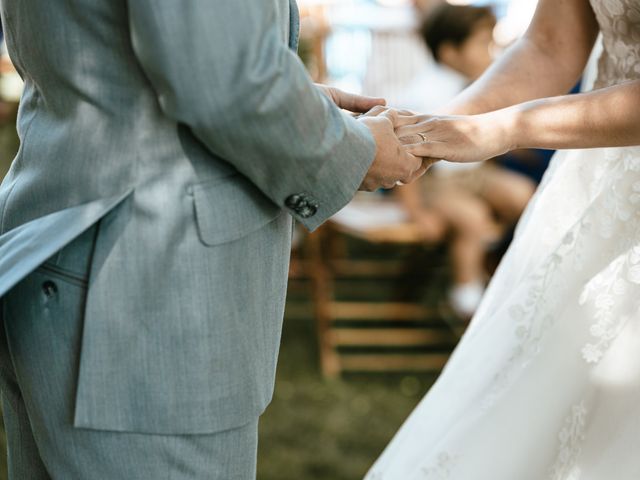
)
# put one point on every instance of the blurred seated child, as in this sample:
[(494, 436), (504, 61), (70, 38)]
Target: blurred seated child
[(470, 205)]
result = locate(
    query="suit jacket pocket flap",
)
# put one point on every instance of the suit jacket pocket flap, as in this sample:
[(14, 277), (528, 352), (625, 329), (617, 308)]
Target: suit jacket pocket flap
[(230, 208)]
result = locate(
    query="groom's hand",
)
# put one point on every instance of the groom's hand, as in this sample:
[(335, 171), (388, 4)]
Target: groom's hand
[(393, 163), (351, 101)]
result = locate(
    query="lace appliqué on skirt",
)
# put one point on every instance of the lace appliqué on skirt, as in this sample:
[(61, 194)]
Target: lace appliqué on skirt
[(570, 437)]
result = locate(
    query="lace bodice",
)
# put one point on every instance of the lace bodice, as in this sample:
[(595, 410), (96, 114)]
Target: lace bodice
[(620, 25)]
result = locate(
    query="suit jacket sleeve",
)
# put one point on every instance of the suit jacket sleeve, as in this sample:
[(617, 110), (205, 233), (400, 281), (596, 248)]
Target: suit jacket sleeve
[(221, 68)]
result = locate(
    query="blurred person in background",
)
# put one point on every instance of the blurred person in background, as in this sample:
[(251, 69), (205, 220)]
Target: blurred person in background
[(9, 141), (470, 204), (424, 5), (545, 383)]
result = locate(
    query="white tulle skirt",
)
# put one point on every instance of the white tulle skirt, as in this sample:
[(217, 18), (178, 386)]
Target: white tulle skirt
[(545, 384)]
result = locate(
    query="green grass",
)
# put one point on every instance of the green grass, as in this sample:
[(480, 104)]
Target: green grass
[(329, 430)]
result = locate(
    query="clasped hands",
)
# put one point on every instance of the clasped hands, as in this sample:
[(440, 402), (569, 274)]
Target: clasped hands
[(407, 144)]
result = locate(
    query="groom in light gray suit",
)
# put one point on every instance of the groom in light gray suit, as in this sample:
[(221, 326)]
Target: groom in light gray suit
[(145, 228)]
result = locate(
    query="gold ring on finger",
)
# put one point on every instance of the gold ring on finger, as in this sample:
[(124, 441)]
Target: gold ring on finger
[(423, 137)]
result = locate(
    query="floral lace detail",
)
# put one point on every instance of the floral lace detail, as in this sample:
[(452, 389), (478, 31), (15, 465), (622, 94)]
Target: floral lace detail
[(615, 188), (620, 190), (442, 469), (604, 292), (620, 25), (530, 318), (570, 437), (619, 223)]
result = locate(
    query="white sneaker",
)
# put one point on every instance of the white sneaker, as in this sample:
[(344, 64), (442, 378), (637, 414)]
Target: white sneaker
[(465, 298)]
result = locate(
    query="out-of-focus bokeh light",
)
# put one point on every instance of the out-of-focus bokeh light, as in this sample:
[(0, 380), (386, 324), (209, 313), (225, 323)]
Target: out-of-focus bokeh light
[(365, 41), (385, 3), (311, 3), (515, 21), (393, 3)]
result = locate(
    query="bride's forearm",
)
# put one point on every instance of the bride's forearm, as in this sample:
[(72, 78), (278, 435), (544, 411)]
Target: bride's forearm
[(546, 62), (608, 117)]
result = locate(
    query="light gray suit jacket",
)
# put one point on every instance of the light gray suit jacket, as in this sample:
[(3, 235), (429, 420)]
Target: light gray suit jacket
[(196, 121)]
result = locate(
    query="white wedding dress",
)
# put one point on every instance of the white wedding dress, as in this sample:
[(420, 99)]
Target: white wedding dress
[(545, 384)]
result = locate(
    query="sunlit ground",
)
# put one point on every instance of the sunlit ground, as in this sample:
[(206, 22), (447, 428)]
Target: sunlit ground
[(319, 429), (329, 430)]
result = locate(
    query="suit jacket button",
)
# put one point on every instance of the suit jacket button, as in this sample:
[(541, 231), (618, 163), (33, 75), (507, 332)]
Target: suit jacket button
[(302, 204), (49, 288), (307, 210), (293, 201)]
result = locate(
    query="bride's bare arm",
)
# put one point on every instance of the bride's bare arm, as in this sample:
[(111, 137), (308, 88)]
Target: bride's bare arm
[(608, 117), (546, 62)]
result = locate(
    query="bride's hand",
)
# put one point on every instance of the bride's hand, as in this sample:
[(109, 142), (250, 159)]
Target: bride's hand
[(457, 138)]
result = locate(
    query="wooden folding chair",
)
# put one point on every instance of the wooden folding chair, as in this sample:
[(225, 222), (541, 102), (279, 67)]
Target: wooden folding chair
[(369, 334)]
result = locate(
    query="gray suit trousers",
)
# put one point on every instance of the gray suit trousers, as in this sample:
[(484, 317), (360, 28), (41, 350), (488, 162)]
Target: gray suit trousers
[(40, 348)]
